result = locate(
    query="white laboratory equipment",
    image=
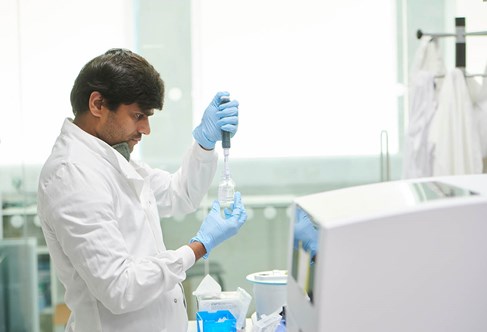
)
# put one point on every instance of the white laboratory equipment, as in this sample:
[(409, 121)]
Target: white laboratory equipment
[(395, 256)]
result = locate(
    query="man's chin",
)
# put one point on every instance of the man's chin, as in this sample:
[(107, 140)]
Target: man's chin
[(132, 144)]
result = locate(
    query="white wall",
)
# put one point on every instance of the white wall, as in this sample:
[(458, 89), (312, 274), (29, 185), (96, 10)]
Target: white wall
[(45, 44)]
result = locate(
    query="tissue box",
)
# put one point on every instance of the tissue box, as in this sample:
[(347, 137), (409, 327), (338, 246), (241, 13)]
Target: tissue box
[(224, 301), (210, 298), (217, 321)]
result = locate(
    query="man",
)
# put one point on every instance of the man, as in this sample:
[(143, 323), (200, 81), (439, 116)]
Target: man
[(100, 211)]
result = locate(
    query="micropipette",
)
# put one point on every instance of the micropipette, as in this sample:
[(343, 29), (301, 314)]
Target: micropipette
[(226, 188)]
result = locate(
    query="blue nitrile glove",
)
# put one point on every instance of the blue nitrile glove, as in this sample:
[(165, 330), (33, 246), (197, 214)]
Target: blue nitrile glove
[(305, 232), (217, 117), (216, 229)]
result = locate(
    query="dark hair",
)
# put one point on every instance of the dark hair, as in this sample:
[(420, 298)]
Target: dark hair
[(121, 77)]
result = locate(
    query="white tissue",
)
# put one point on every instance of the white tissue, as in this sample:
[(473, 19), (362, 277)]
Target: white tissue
[(208, 288)]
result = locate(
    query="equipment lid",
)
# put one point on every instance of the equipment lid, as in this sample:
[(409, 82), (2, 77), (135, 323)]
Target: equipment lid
[(274, 277)]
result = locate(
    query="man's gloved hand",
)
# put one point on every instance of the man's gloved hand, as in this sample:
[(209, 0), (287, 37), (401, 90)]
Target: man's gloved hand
[(305, 232), (218, 116), (216, 229)]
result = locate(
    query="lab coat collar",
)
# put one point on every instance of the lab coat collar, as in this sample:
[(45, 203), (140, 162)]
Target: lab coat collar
[(106, 152)]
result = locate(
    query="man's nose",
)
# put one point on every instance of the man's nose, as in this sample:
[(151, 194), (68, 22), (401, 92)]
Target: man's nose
[(144, 127)]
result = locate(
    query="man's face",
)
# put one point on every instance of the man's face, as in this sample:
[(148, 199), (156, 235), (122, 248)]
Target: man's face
[(126, 124)]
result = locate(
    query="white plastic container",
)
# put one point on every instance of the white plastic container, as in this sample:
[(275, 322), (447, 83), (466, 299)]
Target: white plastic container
[(269, 289)]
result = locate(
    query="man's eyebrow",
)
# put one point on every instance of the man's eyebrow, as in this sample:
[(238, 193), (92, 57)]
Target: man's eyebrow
[(148, 112)]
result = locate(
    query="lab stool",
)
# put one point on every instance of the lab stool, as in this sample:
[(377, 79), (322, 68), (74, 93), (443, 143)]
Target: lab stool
[(196, 273)]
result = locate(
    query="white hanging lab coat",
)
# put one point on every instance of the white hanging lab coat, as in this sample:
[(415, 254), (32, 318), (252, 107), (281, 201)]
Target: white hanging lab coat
[(480, 118), (427, 62), (100, 218), (453, 133), (478, 92), (427, 58), (418, 161)]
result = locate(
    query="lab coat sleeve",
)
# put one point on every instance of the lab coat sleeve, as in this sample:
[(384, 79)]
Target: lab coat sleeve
[(183, 191), (77, 205)]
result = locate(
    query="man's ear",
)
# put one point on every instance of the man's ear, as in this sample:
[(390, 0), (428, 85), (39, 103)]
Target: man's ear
[(95, 104)]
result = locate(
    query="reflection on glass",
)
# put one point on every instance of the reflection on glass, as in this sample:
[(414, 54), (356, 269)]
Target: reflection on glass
[(305, 232), (304, 251), (432, 190)]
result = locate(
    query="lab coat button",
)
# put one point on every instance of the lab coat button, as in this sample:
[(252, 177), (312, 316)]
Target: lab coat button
[(175, 300)]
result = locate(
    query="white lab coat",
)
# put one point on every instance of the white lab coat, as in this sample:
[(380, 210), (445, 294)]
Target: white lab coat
[(427, 58), (453, 133), (480, 118), (423, 90), (478, 92), (418, 161), (100, 218)]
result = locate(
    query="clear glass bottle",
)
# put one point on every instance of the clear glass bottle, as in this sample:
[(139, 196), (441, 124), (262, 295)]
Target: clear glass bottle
[(226, 191)]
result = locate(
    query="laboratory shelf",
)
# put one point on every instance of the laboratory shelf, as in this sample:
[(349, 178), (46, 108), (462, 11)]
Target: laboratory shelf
[(23, 210)]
